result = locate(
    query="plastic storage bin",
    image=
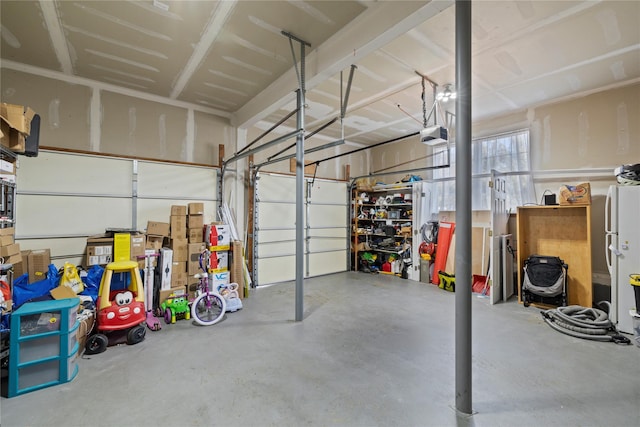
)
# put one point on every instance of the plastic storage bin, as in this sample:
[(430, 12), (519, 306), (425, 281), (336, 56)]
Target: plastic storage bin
[(43, 345)]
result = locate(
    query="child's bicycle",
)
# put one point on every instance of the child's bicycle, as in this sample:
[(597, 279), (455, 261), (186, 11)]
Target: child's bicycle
[(209, 306)]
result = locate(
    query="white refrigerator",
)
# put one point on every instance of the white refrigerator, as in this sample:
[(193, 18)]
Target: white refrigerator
[(622, 227)]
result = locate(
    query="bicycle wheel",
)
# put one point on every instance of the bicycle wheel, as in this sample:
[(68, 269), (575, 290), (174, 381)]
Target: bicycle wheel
[(208, 309)]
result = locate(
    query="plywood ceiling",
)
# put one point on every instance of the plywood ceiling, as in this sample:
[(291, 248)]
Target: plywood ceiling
[(232, 58)]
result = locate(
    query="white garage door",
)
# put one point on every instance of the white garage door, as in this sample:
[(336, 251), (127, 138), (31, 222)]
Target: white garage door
[(64, 197), (325, 228)]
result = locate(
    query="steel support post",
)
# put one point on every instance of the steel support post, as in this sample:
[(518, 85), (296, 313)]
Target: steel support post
[(463, 208), (300, 203)]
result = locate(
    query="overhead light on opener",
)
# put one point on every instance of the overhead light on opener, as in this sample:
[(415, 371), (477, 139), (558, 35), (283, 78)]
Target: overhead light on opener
[(447, 94)]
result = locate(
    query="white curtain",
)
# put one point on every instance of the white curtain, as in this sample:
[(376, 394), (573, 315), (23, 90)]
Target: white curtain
[(507, 153)]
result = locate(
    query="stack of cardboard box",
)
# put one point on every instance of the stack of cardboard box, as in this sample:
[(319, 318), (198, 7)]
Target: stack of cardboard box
[(9, 249), (180, 261), (218, 239), (156, 233), (15, 126), (174, 276), (10, 254), (34, 262), (195, 221)]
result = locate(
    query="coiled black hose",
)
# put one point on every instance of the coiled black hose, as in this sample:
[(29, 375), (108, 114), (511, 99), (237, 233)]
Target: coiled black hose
[(584, 322)]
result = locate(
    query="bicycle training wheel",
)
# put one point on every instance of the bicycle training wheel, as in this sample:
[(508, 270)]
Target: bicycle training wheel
[(208, 309)]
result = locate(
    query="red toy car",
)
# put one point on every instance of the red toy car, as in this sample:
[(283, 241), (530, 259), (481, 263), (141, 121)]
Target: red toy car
[(119, 310)]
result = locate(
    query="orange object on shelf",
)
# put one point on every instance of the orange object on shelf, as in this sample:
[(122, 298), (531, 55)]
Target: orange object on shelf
[(445, 233)]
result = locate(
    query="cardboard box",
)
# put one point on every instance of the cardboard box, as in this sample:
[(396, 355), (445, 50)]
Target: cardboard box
[(217, 279), (180, 249), (38, 264), (178, 274), (178, 290), (11, 138), (6, 240), (218, 237), (237, 267), (154, 242), (179, 280), (18, 268), (156, 228), (11, 179), (138, 245), (166, 262), (178, 225), (99, 250), (9, 231), (179, 210), (192, 283), (21, 268), (13, 259), (7, 251), (179, 267), (195, 221), (193, 263), (85, 326), (219, 261), (8, 166), (196, 208), (121, 247), (578, 195), (5, 133), (195, 235), (18, 117), (62, 292), (15, 126)]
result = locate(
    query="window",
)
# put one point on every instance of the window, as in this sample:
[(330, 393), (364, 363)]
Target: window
[(506, 153)]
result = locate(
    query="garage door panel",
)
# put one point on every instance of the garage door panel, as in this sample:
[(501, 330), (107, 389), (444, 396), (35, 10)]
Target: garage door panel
[(268, 250), (328, 262), (276, 211), (333, 192), (41, 215), (324, 244), (276, 188), (52, 172), (277, 215), (327, 215), (63, 197), (176, 181), (277, 269), (329, 232), (277, 235)]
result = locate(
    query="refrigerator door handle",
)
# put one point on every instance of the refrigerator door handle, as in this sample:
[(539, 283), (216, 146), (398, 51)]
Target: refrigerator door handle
[(608, 239), (607, 254), (607, 207), (610, 250)]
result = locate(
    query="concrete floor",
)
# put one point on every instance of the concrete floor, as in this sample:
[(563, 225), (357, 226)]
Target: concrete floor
[(371, 351)]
